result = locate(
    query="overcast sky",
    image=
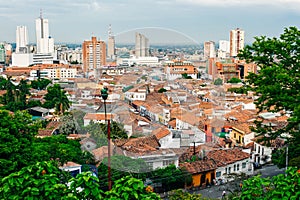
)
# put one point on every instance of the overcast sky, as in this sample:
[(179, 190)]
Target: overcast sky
[(73, 21)]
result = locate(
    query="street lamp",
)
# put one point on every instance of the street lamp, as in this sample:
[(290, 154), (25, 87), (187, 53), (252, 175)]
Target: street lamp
[(104, 95)]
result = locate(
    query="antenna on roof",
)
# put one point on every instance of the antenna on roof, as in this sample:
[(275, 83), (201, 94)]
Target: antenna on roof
[(41, 14), (110, 34)]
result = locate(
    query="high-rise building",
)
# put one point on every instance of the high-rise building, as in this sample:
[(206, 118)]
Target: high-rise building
[(94, 54), (224, 49), (141, 45), (2, 53), (209, 50), (44, 42), (237, 41), (21, 39), (110, 44)]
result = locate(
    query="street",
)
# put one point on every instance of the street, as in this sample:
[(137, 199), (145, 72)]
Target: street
[(216, 191)]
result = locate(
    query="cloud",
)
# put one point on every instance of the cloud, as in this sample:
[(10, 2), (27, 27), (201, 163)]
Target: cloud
[(290, 4)]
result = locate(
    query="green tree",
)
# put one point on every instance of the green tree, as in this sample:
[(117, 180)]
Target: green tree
[(129, 188), (60, 148), (40, 84), (185, 76), (182, 195), (43, 180), (16, 136), (278, 187), (68, 125), (234, 80), (218, 81), (162, 90), (277, 83), (56, 98)]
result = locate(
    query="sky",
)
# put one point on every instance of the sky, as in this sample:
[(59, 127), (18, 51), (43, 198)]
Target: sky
[(162, 21)]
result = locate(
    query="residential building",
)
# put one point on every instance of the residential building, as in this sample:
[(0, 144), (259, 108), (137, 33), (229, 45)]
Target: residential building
[(21, 39), (141, 45), (2, 53), (94, 54), (224, 49), (262, 152), (176, 69), (96, 118), (226, 71), (209, 50), (237, 41), (110, 44)]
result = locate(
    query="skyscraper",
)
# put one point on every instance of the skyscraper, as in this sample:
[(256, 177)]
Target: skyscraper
[(94, 54), (44, 42), (237, 41), (141, 45), (21, 39), (110, 44)]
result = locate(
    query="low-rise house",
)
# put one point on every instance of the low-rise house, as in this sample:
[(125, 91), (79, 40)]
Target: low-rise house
[(230, 161), (203, 171), (96, 118), (241, 134), (262, 152)]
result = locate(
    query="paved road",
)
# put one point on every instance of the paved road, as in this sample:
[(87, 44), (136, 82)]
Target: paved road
[(216, 191)]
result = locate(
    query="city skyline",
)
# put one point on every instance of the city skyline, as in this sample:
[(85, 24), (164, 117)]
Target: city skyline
[(196, 21)]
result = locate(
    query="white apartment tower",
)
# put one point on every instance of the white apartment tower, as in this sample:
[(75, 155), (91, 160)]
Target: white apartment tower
[(110, 44), (21, 39), (224, 49), (141, 45), (209, 50), (44, 42), (237, 41)]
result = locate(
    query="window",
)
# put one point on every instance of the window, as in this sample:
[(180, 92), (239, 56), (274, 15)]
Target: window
[(238, 167), (243, 165), (229, 170), (234, 167), (226, 170), (218, 174), (258, 149), (168, 162), (234, 135), (150, 164), (262, 151)]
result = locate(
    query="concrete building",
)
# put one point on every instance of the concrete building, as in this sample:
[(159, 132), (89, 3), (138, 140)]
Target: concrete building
[(209, 50), (237, 41), (141, 45), (44, 42), (224, 49), (21, 39), (176, 69), (2, 54), (94, 54), (110, 44)]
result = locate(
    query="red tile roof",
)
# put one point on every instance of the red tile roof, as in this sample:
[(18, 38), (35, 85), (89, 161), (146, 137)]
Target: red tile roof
[(199, 166)]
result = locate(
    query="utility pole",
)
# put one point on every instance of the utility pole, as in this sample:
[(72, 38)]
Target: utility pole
[(104, 95)]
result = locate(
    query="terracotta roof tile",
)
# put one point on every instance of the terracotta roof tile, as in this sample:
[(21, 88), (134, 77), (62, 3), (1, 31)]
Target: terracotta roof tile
[(160, 133), (199, 166)]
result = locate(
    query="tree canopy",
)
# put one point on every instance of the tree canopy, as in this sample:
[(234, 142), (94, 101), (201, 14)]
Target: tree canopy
[(44, 180), (56, 98), (277, 83), (218, 81)]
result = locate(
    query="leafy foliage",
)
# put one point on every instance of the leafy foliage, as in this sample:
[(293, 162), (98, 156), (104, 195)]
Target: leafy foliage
[(218, 81), (186, 76), (16, 136), (56, 98), (40, 84), (234, 80), (181, 194), (278, 187), (130, 188), (277, 83), (162, 90), (42, 180)]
